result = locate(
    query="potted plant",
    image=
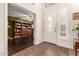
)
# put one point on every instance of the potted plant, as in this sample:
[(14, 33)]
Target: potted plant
[(76, 27)]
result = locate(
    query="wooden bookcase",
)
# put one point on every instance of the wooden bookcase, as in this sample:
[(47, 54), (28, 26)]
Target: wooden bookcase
[(22, 32)]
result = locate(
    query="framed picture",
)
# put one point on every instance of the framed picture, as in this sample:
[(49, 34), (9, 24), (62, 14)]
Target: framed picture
[(76, 16), (63, 29)]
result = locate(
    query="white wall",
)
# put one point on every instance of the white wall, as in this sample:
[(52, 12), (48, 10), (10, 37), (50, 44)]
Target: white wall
[(3, 38), (1, 26)]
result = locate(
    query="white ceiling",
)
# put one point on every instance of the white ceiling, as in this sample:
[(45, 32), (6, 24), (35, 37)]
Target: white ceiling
[(49, 4)]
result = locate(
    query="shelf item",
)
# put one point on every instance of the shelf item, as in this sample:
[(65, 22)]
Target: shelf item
[(17, 29)]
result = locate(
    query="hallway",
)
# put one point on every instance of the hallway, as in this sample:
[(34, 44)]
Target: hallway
[(53, 23)]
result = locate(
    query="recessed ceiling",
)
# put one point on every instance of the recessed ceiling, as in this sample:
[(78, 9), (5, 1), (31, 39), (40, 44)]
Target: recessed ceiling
[(18, 12)]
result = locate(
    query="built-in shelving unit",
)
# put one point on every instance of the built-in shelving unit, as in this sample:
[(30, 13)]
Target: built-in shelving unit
[(22, 32)]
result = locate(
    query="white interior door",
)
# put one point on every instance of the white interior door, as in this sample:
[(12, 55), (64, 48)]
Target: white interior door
[(50, 25)]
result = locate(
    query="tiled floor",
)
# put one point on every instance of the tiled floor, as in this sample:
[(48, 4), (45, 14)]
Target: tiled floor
[(44, 49)]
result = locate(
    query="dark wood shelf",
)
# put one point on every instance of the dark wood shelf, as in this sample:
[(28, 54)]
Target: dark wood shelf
[(22, 31)]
